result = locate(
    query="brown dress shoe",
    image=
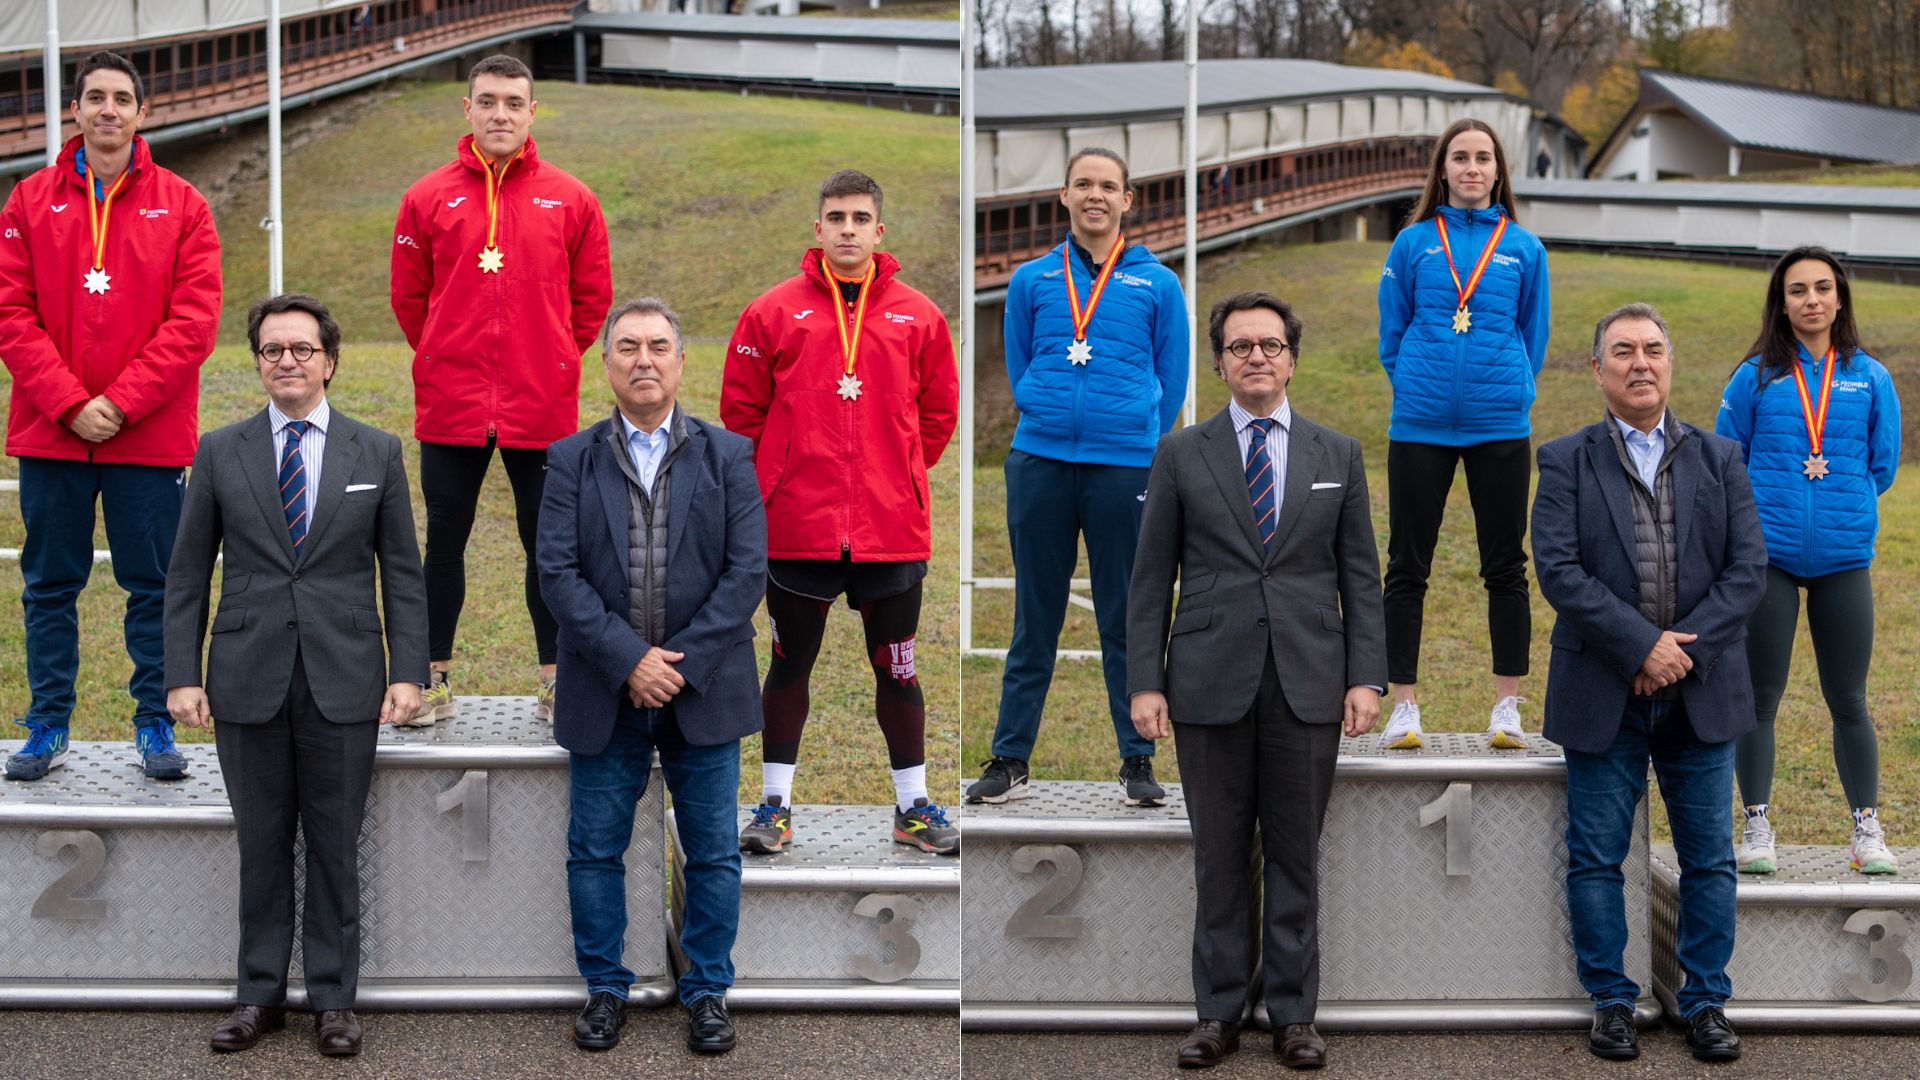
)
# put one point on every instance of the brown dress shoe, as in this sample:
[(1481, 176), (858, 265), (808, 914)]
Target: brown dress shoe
[(339, 1032), (1300, 1047), (245, 1025), (1208, 1044)]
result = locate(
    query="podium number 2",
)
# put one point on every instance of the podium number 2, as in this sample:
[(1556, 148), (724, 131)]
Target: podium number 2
[(1456, 809), (1031, 918), (897, 932), (57, 900), (1889, 949)]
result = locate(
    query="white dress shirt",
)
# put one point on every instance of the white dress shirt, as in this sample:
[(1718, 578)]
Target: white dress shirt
[(313, 446), (648, 449)]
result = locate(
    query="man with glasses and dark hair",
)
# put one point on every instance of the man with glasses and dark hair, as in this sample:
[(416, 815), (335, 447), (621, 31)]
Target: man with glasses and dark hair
[(109, 303), (1278, 645), (298, 503), (499, 280)]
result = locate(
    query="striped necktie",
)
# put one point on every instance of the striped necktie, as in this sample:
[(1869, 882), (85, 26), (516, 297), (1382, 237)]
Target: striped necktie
[(1266, 517), (293, 484)]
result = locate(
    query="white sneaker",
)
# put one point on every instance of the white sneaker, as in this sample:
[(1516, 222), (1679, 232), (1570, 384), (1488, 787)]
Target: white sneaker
[(1756, 847), (1503, 729), (1403, 728), (1870, 852)]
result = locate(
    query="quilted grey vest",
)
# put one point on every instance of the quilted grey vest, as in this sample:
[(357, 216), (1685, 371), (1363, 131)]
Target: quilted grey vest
[(1655, 557), (647, 513)]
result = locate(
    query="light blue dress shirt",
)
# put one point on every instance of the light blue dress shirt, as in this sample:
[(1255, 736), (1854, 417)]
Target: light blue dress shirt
[(1645, 449), (648, 449)]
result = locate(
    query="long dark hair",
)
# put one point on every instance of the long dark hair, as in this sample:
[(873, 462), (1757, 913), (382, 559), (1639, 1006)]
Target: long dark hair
[(1777, 348), (1434, 195)]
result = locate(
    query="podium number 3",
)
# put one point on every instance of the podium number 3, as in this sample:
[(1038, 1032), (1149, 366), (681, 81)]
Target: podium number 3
[(58, 901), (1889, 949), (1456, 809), (896, 931)]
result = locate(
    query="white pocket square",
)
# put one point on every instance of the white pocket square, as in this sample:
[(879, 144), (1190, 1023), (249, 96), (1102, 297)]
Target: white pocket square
[(1322, 486), (360, 487)]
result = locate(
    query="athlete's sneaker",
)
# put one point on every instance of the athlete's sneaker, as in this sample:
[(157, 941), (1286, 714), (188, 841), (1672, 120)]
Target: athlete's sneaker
[(925, 827), (1503, 728), (45, 751), (158, 756), (770, 829), (1136, 779), (1403, 727), (1004, 778), (436, 703), (1870, 852), (1756, 847), (543, 700)]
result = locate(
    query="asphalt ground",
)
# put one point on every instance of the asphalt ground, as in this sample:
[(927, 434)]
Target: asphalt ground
[(1516, 1056), (494, 1045)]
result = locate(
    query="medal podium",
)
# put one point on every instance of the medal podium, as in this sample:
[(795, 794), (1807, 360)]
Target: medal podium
[(1442, 900), (121, 891), (1817, 945), (844, 918)]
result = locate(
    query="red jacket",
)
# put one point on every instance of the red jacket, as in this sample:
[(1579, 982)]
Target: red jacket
[(499, 353), (837, 474), (141, 343)]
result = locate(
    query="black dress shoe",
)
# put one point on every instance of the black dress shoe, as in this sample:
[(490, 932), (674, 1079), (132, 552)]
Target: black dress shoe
[(245, 1025), (598, 1025), (1208, 1044), (1613, 1036), (1711, 1037), (709, 1028), (1300, 1047), (338, 1032)]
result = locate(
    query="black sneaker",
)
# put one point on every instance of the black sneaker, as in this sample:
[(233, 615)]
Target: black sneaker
[(1613, 1036), (1004, 778), (1136, 778), (1711, 1037)]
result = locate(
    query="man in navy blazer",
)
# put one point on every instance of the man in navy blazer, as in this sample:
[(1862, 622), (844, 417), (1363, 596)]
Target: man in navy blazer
[(652, 554), (1647, 544)]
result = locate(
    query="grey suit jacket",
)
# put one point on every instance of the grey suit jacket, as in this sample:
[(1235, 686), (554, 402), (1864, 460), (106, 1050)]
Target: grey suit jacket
[(1313, 602), (272, 605), (1583, 556)]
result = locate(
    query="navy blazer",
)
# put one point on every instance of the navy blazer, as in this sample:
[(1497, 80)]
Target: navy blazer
[(716, 576), (1583, 556)]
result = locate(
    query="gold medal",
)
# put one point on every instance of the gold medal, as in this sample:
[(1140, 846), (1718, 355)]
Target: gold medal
[(491, 257), (1462, 318), (850, 344)]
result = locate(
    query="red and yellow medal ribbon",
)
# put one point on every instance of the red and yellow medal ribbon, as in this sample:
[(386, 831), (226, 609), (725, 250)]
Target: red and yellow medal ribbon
[(1479, 268), (1816, 418), (493, 189), (1082, 318), (97, 215), (850, 343)]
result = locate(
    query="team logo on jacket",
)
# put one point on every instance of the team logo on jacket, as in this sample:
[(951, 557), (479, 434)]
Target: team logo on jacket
[(403, 240), (1505, 259), (1133, 279), (546, 204), (456, 203), (57, 207), (898, 656), (151, 214), (803, 314), (747, 350), (896, 317)]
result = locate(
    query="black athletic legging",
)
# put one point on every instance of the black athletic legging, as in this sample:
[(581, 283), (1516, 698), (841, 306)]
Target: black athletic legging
[(1840, 620), (450, 479), (799, 622)]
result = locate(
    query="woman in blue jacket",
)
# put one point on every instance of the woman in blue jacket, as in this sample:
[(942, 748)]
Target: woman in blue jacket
[(1821, 426), (1463, 332)]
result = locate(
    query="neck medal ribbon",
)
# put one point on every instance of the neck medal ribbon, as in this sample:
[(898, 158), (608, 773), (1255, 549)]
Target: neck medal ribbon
[(850, 343), (1462, 318), (491, 256), (1815, 466), (1079, 352), (98, 281)]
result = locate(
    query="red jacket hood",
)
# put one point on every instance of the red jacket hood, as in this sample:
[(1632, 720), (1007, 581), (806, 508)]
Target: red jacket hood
[(525, 163), (141, 161), (813, 266)]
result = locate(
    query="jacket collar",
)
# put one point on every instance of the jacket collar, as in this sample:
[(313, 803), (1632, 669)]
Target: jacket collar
[(813, 267), (1458, 218), (525, 164), (69, 162)]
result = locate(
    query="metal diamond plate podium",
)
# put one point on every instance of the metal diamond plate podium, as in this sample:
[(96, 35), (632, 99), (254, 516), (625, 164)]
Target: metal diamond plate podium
[(1442, 902), (1816, 944), (844, 918), (127, 886)]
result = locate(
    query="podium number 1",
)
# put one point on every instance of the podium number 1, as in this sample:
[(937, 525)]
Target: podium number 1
[(1456, 809), (1889, 949)]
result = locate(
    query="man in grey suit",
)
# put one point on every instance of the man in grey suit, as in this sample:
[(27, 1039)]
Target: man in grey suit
[(1647, 544), (653, 557), (301, 502), (1279, 642)]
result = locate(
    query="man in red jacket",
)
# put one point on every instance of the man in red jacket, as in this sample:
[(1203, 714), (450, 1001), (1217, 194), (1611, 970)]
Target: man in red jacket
[(843, 377), (500, 280), (109, 303)]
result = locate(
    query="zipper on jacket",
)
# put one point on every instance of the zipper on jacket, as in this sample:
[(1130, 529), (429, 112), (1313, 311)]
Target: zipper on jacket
[(846, 455)]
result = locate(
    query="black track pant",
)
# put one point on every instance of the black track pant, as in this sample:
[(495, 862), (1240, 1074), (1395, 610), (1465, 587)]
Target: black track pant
[(450, 479), (890, 623)]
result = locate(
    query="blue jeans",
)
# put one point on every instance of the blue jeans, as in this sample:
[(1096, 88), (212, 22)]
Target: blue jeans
[(1050, 506), (141, 504), (1603, 790), (704, 782)]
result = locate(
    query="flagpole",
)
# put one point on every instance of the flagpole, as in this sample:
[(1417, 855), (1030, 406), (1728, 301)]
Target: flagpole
[(1190, 274), (50, 81), (967, 31), (275, 231)]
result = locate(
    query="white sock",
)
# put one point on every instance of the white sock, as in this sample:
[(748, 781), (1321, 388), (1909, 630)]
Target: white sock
[(776, 781), (909, 784)]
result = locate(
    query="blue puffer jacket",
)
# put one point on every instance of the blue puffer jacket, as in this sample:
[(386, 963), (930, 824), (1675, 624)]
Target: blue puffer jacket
[(1113, 409), (1823, 526), (1463, 389)]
